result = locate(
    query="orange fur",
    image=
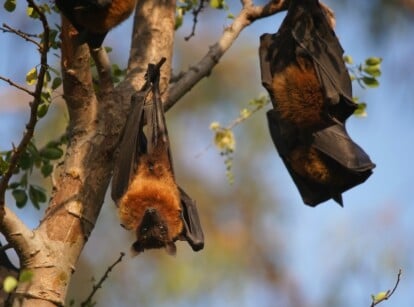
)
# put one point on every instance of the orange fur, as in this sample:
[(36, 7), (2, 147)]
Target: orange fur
[(308, 163), (298, 95), (153, 187), (101, 21)]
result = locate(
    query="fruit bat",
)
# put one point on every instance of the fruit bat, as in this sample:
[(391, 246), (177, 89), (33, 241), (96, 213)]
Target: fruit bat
[(303, 70), (93, 19), (143, 185)]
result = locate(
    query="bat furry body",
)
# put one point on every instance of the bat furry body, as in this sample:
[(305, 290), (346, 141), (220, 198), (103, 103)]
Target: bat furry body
[(303, 71), (93, 19), (143, 185)]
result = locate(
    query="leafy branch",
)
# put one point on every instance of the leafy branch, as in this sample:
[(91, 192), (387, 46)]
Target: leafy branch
[(18, 151), (385, 295), (224, 139)]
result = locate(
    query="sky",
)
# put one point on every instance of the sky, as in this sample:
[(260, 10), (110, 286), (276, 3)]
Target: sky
[(375, 228)]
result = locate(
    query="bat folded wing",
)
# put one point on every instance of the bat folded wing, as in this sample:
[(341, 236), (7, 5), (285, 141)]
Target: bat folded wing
[(335, 142), (193, 233)]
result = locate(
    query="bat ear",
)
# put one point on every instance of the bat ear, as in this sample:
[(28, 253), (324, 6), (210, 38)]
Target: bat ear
[(192, 232)]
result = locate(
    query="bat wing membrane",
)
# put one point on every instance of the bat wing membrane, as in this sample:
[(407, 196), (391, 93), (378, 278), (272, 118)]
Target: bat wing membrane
[(193, 233), (318, 41), (132, 146), (335, 142)]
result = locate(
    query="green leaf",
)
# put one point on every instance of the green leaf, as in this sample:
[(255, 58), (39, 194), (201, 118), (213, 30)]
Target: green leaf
[(373, 71), (361, 110), (217, 4), (348, 59), (9, 284), (179, 17), (370, 81), (42, 110), (379, 297), (3, 166), (372, 61), (32, 13), (21, 197), (51, 153), (25, 161), (31, 76), (25, 276), (37, 196), (10, 5), (46, 169), (56, 83)]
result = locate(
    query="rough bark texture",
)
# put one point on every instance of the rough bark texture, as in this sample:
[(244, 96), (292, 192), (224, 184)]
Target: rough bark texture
[(96, 121)]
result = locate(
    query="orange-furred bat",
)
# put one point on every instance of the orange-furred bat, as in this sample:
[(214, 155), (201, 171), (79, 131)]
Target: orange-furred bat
[(93, 19), (303, 70), (143, 185)]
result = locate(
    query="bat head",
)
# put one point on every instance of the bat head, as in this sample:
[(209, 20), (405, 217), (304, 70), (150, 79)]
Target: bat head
[(153, 233)]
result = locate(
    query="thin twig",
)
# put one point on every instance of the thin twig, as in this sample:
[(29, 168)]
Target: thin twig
[(389, 293), (19, 87), (101, 281), (31, 124), (196, 12), (22, 34)]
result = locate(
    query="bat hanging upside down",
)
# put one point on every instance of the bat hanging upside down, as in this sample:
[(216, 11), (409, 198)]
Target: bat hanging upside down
[(143, 184), (303, 70), (93, 19)]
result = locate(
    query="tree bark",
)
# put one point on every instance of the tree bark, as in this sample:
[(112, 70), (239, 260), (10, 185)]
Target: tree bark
[(96, 120)]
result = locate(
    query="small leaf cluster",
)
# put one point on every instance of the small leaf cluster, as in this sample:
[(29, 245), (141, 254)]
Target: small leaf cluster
[(186, 6), (32, 158), (224, 139), (366, 75), (183, 7), (51, 83)]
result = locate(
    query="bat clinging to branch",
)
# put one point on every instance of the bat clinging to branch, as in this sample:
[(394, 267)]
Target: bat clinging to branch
[(93, 19), (143, 185), (303, 71)]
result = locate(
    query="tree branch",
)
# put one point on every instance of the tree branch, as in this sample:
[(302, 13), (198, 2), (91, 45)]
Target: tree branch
[(17, 234), (19, 87), (203, 68), (30, 126), (88, 301), (386, 295), (25, 36)]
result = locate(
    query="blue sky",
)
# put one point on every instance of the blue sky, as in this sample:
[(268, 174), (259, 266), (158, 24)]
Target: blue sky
[(375, 228)]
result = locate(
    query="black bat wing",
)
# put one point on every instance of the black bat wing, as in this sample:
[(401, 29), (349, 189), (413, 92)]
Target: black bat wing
[(133, 145), (335, 142), (350, 162), (315, 38), (193, 233), (284, 139), (265, 56)]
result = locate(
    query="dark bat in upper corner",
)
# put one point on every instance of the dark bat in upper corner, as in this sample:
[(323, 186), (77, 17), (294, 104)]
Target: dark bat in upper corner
[(93, 19), (303, 70), (143, 184)]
